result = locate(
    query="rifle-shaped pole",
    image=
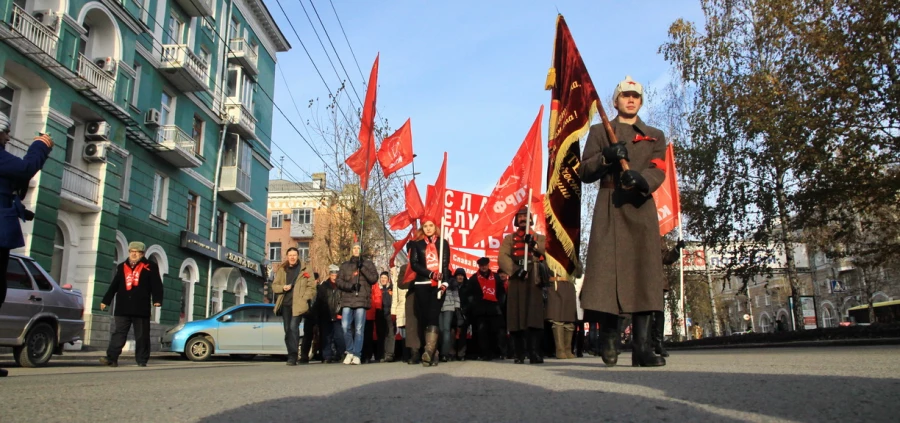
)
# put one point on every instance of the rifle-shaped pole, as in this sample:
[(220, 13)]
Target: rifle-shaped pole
[(610, 133), (527, 227), (440, 292)]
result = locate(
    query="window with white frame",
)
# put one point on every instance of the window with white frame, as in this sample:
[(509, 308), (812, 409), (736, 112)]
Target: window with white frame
[(829, 318), (215, 301), (221, 221), (274, 252), (197, 134), (166, 109), (57, 270), (193, 212), (242, 237), (204, 57), (125, 182), (7, 99), (175, 34), (301, 216), (303, 250), (276, 220), (160, 195), (70, 141), (240, 86), (768, 299), (136, 89), (155, 312)]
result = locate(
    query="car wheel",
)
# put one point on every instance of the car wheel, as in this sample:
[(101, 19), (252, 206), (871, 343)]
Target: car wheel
[(198, 349), (244, 357), (39, 345)]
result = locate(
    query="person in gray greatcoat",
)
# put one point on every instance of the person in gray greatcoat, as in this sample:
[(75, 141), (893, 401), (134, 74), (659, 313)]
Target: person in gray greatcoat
[(624, 258)]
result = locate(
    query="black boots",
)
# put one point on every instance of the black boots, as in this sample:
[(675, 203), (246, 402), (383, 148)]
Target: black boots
[(609, 339), (641, 350), (518, 338), (431, 340), (535, 351), (658, 333)]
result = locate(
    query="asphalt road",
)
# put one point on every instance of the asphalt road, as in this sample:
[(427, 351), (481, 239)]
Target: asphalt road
[(845, 384)]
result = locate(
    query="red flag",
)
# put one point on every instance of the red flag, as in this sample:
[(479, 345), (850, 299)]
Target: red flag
[(363, 160), (399, 221), (414, 207), (435, 196), (574, 102), (398, 244), (537, 199), (409, 275), (667, 199), (396, 150), (511, 191)]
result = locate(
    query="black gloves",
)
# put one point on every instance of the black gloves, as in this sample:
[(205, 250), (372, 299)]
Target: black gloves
[(521, 274), (532, 243), (359, 264), (633, 179), (679, 245), (615, 152)]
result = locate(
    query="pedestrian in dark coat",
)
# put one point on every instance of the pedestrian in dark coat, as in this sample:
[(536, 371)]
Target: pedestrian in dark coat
[(659, 319), (355, 278), (432, 273), (562, 312), (14, 176), (624, 266), (328, 298), (487, 297), (136, 285), (525, 297)]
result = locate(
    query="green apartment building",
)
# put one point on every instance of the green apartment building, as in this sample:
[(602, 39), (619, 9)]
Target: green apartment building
[(162, 119)]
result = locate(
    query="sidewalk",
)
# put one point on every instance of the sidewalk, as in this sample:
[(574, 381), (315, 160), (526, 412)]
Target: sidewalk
[(94, 355)]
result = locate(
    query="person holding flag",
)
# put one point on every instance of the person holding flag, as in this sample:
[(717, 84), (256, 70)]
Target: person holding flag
[(431, 273), (520, 256), (624, 271)]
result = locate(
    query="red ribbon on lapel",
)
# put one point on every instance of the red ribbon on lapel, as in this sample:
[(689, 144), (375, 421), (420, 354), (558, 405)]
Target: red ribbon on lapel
[(639, 137)]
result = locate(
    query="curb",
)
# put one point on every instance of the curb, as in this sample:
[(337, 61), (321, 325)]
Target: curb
[(793, 344)]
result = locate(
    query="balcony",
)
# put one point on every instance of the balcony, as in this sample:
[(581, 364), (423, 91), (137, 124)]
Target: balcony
[(301, 230), (80, 190), (16, 148), (196, 7), (245, 54), (240, 118), (31, 35), (177, 147), (234, 184), (104, 83), (183, 68)]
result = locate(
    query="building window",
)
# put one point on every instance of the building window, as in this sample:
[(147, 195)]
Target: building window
[(70, 142), (59, 251), (216, 301), (176, 30), (193, 208), (221, 219), (167, 109), (197, 134), (303, 250), (242, 237), (136, 89), (276, 220), (155, 312), (125, 183), (235, 29), (301, 216), (160, 195), (829, 319), (187, 291), (204, 57), (7, 99), (275, 252)]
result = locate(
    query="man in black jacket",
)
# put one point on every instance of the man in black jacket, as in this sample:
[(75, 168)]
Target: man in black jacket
[(488, 296), (137, 280), (329, 307), (355, 279)]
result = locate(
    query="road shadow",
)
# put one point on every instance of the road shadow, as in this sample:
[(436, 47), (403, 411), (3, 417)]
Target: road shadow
[(442, 397), (805, 398)]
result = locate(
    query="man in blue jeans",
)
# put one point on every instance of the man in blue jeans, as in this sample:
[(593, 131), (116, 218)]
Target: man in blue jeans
[(355, 279)]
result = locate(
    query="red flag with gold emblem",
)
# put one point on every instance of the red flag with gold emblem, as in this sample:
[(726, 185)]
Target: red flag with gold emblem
[(573, 105)]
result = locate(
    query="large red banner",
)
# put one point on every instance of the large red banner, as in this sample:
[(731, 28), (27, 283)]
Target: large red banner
[(461, 213)]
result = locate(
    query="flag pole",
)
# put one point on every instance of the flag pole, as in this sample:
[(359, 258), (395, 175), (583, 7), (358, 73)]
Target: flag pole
[(440, 293), (681, 279), (527, 225), (362, 222)]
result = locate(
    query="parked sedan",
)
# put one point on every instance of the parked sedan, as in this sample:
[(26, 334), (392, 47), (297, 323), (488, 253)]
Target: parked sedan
[(39, 316), (244, 331)]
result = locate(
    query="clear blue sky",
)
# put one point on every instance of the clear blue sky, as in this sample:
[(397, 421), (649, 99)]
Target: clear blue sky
[(470, 74)]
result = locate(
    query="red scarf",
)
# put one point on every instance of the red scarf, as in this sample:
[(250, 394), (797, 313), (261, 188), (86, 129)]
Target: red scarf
[(133, 276), (432, 262), (488, 287)]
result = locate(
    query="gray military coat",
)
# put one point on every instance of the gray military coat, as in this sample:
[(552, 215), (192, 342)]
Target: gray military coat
[(623, 272)]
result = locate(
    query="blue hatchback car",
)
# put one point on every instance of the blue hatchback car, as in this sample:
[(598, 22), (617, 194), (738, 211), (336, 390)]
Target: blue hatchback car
[(244, 331)]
